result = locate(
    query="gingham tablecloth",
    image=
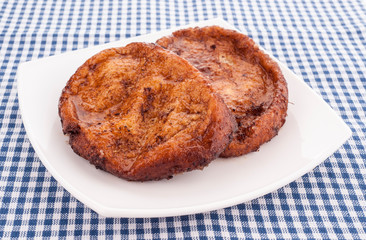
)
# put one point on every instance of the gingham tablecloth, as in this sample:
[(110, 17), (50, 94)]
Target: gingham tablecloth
[(321, 41)]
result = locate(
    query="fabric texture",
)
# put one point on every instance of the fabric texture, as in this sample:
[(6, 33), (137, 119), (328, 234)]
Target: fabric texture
[(324, 42)]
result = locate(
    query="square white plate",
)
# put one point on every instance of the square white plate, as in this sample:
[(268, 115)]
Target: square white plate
[(311, 133)]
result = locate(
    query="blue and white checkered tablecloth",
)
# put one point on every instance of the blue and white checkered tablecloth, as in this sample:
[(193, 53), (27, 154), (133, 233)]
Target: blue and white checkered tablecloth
[(324, 42)]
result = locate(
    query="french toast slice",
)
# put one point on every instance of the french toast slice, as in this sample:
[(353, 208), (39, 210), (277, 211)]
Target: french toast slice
[(143, 113), (249, 81)]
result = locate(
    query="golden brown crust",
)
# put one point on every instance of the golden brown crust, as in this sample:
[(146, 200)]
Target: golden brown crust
[(248, 80), (143, 113)]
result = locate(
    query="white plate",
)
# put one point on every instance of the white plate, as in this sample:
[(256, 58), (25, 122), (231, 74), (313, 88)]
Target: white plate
[(312, 133)]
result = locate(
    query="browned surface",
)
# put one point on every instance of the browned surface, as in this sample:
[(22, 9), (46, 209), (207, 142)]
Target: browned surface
[(250, 83), (143, 113)]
